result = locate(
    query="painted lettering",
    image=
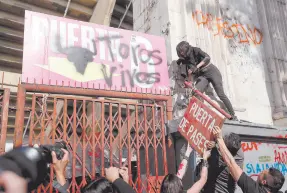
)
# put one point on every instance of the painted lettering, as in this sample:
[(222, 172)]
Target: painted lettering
[(249, 146), (242, 33), (183, 124), (197, 138), (202, 116), (253, 169), (280, 156)]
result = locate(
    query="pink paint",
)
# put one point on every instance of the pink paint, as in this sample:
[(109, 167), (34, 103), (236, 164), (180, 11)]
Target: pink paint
[(139, 60)]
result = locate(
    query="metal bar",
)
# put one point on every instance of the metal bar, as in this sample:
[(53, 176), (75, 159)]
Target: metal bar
[(94, 93), (26, 127), (169, 108), (127, 9), (111, 133), (189, 85), (84, 142), (138, 150), (129, 144), (102, 138), (54, 121), (146, 148), (19, 120), (74, 145), (154, 143), (65, 116), (31, 132), (42, 133), (120, 134), (4, 119), (93, 142), (67, 8), (163, 141)]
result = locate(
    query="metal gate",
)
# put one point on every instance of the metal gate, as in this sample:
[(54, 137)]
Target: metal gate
[(99, 133)]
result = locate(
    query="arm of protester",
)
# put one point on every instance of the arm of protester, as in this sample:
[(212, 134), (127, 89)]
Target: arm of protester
[(234, 169), (196, 188), (183, 165), (113, 175), (13, 183), (60, 167), (205, 57)]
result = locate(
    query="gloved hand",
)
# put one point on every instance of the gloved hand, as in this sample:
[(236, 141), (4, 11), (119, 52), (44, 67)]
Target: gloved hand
[(193, 70), (179, 61)]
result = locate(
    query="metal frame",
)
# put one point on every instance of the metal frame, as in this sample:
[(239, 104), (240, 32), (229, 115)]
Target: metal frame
[(149, 125), (4, 118)]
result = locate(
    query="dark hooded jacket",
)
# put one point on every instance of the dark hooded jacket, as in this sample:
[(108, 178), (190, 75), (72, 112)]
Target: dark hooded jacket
[(191, 56)]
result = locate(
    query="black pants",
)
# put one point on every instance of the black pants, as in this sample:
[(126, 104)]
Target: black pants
[(212, 75)]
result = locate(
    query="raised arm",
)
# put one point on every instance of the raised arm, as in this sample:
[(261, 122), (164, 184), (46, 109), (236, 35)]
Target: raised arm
[(196, 188), (183, 165), (234, 169)]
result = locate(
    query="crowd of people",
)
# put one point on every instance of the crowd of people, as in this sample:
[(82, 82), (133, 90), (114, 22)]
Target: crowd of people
[(220, 171)]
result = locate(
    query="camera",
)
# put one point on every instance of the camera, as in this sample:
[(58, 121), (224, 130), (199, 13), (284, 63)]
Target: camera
[(47, 150), (31, 163)]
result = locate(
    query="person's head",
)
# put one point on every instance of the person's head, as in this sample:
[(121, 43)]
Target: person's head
[(101, 185), (183, 49), (171, 184), (232, 142), (272, 179)]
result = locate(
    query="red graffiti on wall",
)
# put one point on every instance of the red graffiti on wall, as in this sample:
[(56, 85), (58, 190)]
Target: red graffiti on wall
[(280, 156), (249, 146), (245, 33)]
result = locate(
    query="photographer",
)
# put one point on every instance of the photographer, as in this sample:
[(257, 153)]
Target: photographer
[(60, 170), (60, 167)]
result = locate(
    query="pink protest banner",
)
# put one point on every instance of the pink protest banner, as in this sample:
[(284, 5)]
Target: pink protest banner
[(59, 51)]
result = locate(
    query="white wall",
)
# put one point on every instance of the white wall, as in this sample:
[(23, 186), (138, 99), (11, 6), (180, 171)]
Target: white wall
[(261, 156), (241, 57)]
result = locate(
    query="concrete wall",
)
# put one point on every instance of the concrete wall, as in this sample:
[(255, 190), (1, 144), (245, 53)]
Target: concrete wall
[(238, 37)]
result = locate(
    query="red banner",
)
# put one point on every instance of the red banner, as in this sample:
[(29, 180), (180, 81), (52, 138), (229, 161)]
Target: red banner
[(198, 123)]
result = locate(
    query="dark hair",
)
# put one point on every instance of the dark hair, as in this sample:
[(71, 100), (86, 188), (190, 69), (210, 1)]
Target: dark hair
[(233, 143), (277, 181), (101, 185), (171, 184), (183, 47)]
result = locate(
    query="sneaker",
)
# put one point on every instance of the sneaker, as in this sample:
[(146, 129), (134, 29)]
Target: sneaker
[(234, 118)]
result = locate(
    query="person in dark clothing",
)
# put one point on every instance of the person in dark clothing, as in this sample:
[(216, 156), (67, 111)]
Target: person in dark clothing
[(198, 63), (99, 186), (219, 179), (268, 181)]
